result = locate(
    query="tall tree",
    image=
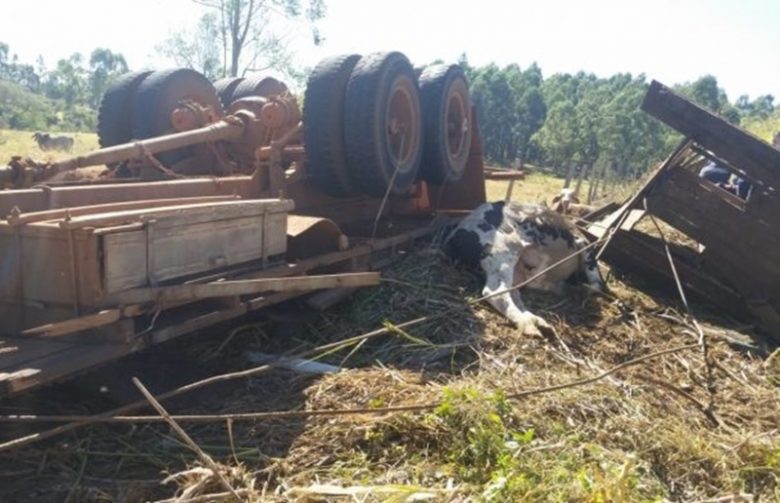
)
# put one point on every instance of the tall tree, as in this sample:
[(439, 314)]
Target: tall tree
[(196, 49), (105, 66), (68, 81), (247, 34)]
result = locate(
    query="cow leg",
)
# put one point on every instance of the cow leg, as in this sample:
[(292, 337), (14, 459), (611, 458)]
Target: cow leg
[(500, 271)]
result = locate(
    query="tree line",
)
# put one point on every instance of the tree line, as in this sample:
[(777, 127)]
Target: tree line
[(64, 97), (571, 123), (575, 122)]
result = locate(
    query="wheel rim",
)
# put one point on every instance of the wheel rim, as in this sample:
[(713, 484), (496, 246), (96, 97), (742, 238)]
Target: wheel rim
[(401, 128), (457, 123)]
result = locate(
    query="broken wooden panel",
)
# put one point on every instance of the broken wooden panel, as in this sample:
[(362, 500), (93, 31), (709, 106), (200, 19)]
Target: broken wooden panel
[(700, 213), (740, 261), (759, 160), (638, 253)]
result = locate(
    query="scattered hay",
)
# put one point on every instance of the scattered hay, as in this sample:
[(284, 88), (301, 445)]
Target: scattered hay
[(645, 432)]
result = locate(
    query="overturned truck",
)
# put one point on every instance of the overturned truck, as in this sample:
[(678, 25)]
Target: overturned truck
[(221, 199)]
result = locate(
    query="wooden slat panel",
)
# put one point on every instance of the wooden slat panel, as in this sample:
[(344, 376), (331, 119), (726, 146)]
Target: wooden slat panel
[(695, 208), (758, 159), (40, 216), (671, 211), (64, 197), (632, 251)]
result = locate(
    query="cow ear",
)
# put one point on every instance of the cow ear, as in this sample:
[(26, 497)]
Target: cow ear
[(556, 199)]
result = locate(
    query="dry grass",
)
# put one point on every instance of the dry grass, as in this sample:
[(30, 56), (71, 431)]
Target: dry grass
[(22, 143), (540, 187), (638, 435)]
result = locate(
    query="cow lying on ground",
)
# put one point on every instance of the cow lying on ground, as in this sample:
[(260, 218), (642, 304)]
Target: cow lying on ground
[(512, 242), (47, 141)]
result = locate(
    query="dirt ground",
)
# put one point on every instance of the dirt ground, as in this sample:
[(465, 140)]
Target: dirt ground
[(621, 404)]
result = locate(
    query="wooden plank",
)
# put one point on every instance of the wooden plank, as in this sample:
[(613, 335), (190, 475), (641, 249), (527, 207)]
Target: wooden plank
[(717, 203), (763, 205), (183, 214), (753, 284), (670, 210), (195, 291), (105, 317), (40, 216), (39, 199), (16, 351), (59, 365), (504, 174), (759, 160), (599, 228)]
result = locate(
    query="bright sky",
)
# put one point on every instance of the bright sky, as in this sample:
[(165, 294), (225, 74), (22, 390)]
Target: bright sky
[(673, 41)]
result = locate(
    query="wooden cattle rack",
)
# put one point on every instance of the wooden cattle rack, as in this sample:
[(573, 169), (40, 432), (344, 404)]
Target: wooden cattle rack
[(734, 261)]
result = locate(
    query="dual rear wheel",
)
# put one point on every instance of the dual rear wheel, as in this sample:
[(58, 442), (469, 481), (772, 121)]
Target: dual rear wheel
[(141, 105), (370, 126)]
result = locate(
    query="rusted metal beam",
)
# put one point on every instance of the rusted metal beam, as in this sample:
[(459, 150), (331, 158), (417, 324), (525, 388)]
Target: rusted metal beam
[(222, 130)]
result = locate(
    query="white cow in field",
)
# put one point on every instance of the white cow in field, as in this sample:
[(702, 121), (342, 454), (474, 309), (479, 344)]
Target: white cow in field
[(512, 242)]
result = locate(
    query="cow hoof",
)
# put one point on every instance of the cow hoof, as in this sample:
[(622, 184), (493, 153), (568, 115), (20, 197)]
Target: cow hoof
[(533, 325)]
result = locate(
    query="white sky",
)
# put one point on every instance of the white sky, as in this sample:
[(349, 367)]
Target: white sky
[(738, 41)]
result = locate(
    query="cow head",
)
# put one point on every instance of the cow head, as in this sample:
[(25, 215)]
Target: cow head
[(563, 200)]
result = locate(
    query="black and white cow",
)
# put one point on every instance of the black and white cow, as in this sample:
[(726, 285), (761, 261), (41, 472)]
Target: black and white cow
[(512, 242)]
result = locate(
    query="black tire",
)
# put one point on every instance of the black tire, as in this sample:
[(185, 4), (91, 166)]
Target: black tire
[(159, 94), (323, 121), (259, 85), (444, 95), (382, 115), (225, 89), (115, 115)]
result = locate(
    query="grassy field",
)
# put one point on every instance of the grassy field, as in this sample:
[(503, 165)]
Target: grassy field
[(22, 143)]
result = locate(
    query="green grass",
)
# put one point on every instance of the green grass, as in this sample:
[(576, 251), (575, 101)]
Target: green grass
[(22, 143)]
